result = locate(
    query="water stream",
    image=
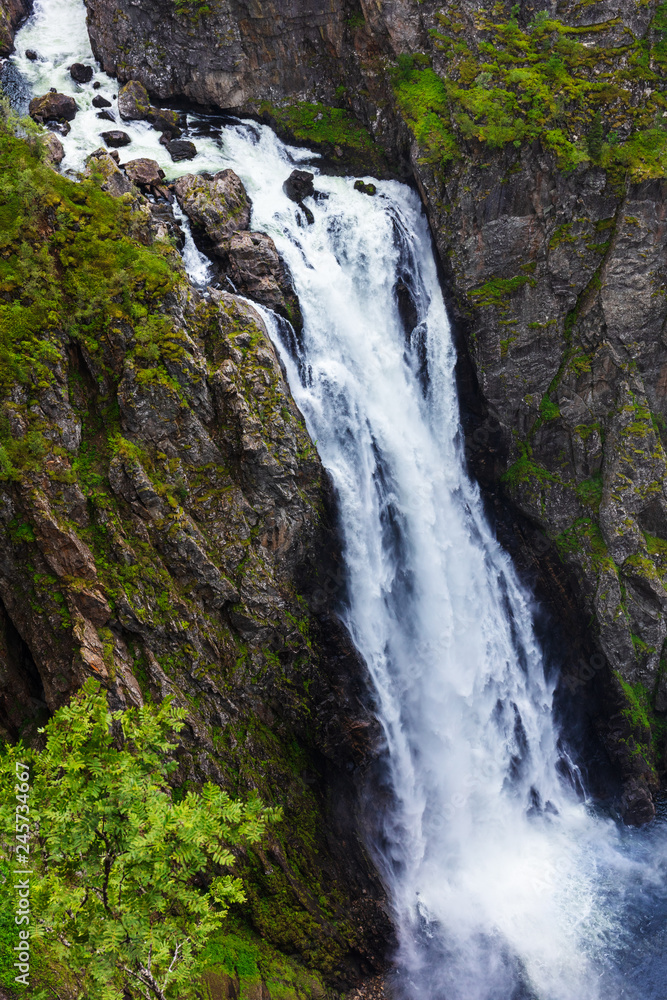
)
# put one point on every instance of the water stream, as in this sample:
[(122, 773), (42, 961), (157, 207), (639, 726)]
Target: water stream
[(505, 882)]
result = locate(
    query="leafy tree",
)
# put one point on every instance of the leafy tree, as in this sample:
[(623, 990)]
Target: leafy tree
[(119, 895)]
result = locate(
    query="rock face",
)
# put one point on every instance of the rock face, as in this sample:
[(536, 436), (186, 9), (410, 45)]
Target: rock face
[(53, 107), (219, 209), (231, 55), (165, 527), (217, 204), (12, 13)]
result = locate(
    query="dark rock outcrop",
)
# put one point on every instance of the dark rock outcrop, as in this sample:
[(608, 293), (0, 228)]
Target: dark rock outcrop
[(116, 138), (181, 149), (81, 73), (53, 107), (12, 13), (218, 205)]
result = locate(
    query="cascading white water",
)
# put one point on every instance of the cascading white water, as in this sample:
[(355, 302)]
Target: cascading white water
[(504, 884)]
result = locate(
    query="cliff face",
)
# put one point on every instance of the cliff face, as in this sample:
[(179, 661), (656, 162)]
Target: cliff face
[(164, 519), (225, 53), (536, 135), (12, 12)]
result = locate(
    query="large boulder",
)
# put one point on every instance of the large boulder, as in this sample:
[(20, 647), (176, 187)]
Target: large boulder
[(133, 101), (116, 138), (53, 107), (144, 172), (217, 205), (12, 12), (110, 178), (257, 270), (181, 149), (54, 151), (81, 73)]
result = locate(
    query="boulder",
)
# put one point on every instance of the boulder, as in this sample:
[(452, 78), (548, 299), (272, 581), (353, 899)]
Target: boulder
[(144, 172), (101, 102), (257, 270), (106, 116), (133, 101), (217, 205), (53, 107), (116, 138), (31, 55), (299, 185), (181, 149), (110, 178), (53, 148), (81, 73), (164, 120)]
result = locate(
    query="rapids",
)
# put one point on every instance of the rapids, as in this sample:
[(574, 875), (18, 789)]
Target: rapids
[(505, 881)]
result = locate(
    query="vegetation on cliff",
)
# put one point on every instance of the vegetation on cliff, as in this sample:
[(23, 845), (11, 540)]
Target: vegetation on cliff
[(159, 499)]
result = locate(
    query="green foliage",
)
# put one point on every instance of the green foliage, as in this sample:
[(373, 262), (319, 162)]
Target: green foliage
[(318, 123), (192, 9), (548, 409), (497, 291), (547, 82), (69, 269), (117, 857), (595, 137)]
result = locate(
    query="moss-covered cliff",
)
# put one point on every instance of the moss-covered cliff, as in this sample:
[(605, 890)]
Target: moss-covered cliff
[(164, 520)]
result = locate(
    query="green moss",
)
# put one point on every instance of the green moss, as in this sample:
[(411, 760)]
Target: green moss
[(590, 491), (318, 123), (496, 292), (548, 82)]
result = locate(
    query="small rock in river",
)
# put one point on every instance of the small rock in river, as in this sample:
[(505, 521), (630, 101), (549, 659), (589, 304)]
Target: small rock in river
[(299, 185), (106, 116), (101, 102), (181, 149), (365, 188), (81, 73), (31, 54), (97, 85), (116, 138)]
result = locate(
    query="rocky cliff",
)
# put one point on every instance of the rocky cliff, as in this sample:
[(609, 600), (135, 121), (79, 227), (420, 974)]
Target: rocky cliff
[(166, 528), (12, 12), (536, 134)]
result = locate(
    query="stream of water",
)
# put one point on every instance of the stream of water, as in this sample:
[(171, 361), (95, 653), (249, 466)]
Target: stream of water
[(506, 884)]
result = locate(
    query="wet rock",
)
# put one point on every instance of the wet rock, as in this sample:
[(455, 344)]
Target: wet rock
[(97, 85), (144, 172), (299, 185), (81, 73), (365, 188), (257, 270), (101, 102), (181, 149), (31, 55), (116, 138), (105, 116), (64, 128), (55, 152), (133, 101), (164, 120), (217, 205), (53, 107)]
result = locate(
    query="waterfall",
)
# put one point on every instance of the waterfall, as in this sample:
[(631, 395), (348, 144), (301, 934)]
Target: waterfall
[(505, 883)]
